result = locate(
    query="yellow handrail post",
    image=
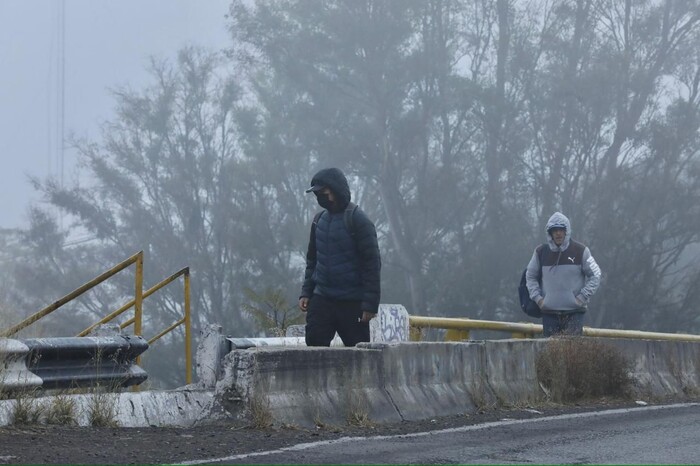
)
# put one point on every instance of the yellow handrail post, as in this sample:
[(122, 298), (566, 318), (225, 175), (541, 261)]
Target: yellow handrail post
[(188, 331), (138, 298), (138, 306), (186, 319)]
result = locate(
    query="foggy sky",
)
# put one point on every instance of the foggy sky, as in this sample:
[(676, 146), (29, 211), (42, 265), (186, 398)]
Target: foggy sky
[(107, 45)]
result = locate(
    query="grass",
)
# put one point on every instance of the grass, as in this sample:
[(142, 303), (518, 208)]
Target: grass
[(357, 414), (101, 409), (62, 411), (576, 369), (26, 410), (260, 412)]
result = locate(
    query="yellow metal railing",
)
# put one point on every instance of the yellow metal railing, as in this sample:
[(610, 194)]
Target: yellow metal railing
[(136, 303), (458, 329), (186, 319)]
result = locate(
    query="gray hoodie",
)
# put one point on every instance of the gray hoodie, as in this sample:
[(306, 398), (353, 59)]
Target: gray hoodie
[(570, 275)]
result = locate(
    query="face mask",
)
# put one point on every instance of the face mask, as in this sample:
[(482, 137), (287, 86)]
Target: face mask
[(323, 201)]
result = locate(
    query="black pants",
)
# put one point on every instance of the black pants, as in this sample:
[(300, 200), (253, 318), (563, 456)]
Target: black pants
[(327, 316)]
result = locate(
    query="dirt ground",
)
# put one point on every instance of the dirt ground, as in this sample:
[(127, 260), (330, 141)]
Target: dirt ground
[(91, 445)]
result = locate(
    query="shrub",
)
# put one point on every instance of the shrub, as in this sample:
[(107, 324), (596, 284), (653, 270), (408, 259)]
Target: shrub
[(575, 369)]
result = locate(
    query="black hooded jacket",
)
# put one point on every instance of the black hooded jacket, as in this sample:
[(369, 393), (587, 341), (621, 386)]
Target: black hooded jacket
[(339, 264)]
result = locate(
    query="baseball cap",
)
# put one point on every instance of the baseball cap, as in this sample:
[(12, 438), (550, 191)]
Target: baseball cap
[(315, 188)]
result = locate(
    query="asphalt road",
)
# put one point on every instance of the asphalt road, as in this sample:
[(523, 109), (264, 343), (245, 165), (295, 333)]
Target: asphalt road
[(645, 435)]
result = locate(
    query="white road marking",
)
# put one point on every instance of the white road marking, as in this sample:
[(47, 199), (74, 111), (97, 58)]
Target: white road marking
[(487, 425)]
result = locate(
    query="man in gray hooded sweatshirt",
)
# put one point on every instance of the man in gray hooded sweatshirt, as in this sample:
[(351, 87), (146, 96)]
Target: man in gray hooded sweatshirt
[(570, 276)]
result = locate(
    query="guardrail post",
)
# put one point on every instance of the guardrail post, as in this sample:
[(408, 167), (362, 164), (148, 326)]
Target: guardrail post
[(138, 304), (415, 333), (188, 331), (456, 335)]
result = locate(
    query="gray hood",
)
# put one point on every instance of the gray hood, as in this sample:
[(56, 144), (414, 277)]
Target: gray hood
[(558, 220)]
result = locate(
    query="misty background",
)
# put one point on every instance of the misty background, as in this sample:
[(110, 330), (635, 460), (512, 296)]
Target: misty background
[(462, 125)]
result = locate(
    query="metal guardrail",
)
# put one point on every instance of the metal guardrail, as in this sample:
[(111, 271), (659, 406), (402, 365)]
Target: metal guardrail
[(136, 303), (72, 362), (245, 343), (14, 373), (186, 319), (459, 328)]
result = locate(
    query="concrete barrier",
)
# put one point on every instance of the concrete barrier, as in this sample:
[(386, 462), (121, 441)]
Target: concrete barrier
[(306, 385), (390, 325), (381, 382), (180, 408), (662, 368), (419, 380)]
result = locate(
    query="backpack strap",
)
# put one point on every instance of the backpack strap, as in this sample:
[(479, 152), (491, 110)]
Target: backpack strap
[(316, 218), (312, 240), (348, 218)]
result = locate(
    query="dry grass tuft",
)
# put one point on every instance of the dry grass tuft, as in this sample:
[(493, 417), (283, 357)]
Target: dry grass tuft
[(260, 412), (101, 409), (62, 411), (357, 411), (26, 410), (573, 369)]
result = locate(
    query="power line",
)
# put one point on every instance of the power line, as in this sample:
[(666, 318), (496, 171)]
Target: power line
[(62, 89)]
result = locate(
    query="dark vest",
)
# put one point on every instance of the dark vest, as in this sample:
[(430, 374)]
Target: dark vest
[(573, 255)]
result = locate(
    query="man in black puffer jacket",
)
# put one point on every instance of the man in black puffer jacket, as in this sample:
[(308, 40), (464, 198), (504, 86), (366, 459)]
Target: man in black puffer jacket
[(341, 284)]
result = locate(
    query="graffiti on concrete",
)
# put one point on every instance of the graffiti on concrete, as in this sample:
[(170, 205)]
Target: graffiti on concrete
[(391, 324)]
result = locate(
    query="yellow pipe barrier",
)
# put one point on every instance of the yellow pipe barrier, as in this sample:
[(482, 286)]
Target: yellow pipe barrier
[(185, 271), (455, 324), (136, 258), (187, 320), (450, 323), (127, 323), (108, 318), (137, 303), (638, 334), (165, 332)]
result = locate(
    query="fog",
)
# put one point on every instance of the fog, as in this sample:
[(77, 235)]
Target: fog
[(461, 124), (107, 45)]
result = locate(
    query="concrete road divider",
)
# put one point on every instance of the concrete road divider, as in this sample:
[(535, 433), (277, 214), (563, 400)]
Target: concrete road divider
[(417, 380)]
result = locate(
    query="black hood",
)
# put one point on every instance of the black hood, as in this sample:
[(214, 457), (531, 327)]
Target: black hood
[(334, 179)]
